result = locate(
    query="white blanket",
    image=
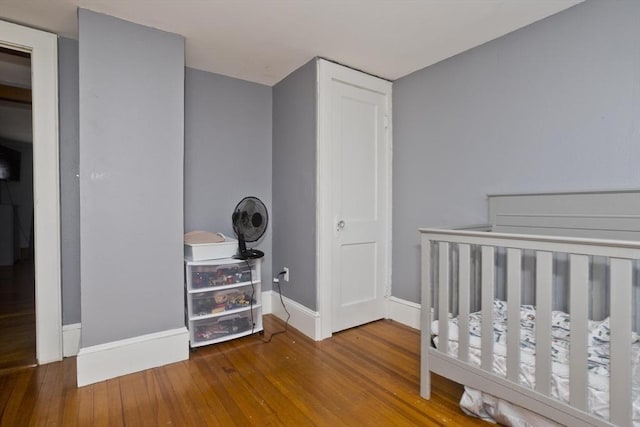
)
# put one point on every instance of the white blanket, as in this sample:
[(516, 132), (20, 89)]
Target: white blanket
[(485, 406)]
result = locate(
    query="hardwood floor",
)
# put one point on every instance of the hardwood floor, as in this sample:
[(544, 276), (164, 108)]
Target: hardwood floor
[(17, 316), (363, 376)]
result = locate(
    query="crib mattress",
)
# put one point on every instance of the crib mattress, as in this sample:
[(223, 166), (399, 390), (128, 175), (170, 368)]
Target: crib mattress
[(598, 358)]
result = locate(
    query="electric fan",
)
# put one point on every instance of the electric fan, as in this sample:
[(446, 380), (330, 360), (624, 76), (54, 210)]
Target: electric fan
[(250, 219)]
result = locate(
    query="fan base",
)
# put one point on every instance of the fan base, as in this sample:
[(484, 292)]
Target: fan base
[(249, 254)]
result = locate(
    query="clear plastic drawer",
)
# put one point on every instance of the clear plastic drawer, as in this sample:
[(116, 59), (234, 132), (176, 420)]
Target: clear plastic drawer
[(227, 326), (208, 276), (213, 302)]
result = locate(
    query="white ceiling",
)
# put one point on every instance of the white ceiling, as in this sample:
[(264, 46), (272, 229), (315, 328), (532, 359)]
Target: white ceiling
[(264, 40)]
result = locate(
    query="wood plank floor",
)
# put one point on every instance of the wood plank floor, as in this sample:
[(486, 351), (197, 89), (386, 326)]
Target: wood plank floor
[(366, 376), (17, 316)]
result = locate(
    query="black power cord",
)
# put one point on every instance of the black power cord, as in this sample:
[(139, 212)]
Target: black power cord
[(286, 323)]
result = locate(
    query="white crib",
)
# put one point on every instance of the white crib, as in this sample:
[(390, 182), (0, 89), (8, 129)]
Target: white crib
[(577, 252)]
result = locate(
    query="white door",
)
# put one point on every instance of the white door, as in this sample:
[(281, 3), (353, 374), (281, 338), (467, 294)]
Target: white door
[(43, 48), (357, 126)]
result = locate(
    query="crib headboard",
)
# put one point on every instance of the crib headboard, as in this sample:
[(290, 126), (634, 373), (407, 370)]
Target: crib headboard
[(596, 214)]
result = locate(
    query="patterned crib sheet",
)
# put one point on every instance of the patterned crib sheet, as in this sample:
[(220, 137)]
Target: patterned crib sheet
[(598, 339), (598, 354)]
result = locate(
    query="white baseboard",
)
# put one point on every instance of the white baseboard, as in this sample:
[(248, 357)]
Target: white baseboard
[(104, 361), (71, 339), (267, 305), (405, 312), (307, 321), (302, 318)]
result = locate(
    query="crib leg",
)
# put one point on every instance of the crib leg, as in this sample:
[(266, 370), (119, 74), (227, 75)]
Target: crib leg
[(425, 374), (425, 385)]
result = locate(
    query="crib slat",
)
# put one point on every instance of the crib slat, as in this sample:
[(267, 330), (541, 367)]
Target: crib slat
[(443, 297), (621, 312), (578, 288), (488, 292), (464, 285), (544, 277), (514, 282)]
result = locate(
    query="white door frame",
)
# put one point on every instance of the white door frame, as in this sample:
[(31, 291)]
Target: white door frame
[(43, 48), (328, 71)]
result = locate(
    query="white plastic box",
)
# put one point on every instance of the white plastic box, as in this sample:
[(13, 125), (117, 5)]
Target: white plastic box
[(197, 251)]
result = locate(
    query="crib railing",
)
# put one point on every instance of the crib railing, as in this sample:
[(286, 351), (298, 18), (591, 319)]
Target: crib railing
[(437, 268)]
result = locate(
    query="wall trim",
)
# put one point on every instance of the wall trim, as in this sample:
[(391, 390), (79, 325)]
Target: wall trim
[(43, 47), (302, 318), (71, 339), (104, 361), (267, 305), (327, 72), (405, 312), (307, 321)]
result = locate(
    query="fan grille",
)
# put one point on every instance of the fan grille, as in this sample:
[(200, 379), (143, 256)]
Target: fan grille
[(250, 219)]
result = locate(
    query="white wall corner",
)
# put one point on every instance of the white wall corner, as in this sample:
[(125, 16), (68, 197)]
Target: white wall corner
[(302, 318), (71, 339), (405, 312), (104, 361)]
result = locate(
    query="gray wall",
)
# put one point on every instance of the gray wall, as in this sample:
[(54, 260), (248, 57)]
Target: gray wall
[(131, 178), (69, 182), (227, 153), (294, 183), (552, 107)]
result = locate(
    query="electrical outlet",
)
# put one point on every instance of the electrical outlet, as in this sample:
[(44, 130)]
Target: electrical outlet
[(286, 274)]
